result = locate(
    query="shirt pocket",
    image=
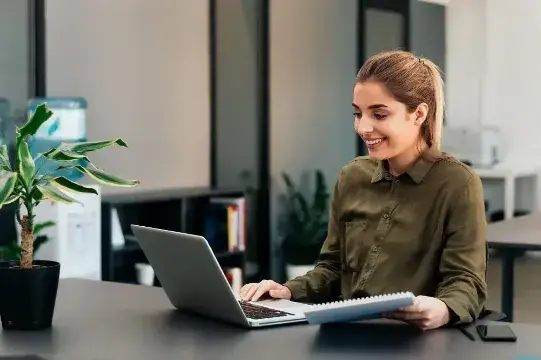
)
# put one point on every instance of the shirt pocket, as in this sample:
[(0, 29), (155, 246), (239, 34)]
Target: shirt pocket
[(355, 239)]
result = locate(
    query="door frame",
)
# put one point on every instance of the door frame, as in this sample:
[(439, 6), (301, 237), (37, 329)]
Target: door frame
[(37, 48), (401, 7)]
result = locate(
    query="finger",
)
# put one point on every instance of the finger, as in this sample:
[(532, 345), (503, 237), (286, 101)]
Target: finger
[(262, 289), (405, 315), (416, 307), (251, 291), (245, 288), (409, 309), (278, 293)]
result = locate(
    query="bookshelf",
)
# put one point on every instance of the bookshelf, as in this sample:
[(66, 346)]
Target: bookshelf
[(218, 214)]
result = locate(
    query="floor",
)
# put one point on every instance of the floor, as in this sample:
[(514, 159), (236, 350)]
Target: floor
[(527, 287)]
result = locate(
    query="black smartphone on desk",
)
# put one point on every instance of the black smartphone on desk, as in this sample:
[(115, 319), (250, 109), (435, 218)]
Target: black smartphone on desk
[(496, 333)]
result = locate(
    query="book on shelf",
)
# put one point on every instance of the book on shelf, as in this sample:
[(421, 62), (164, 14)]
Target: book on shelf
[(234, 277), (225, 224)]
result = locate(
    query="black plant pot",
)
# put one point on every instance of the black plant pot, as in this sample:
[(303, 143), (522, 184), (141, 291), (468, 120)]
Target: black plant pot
[(28, 296)]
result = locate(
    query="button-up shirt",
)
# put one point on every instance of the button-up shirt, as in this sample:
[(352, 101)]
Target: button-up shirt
[(423, 231)]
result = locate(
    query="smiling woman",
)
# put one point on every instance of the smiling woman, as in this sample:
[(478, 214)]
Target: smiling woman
[(406, 217), (398, 107)]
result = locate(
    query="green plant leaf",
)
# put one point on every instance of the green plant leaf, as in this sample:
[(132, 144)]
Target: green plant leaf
[(8, 179), (36, 194), (10, 252), (4, 158), (87, 146), (42, 226), (319, 205), (26, 164), (13, 251), (73, 186), (84, 147), (50, 192), (40, 116), (303, 224), (12, 198), (64, 155), (296, 196), (105, 178), (38, 241)]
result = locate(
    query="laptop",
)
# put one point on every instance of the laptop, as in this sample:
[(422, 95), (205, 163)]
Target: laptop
[(193, 281)]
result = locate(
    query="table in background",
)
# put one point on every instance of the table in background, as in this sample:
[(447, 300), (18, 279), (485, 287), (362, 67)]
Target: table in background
[(513, 237), (106, 321), (509, 173)]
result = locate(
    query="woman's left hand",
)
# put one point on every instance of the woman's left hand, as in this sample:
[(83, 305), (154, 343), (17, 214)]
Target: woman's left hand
[(426, 313)]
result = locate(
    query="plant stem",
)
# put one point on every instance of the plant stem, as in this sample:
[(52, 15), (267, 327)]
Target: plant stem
[(26, 243), (27, 240)]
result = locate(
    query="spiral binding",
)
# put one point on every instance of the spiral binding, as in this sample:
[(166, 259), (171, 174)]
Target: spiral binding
[(356, 301)]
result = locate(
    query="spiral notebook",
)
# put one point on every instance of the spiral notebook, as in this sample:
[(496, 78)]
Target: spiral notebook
[(358, 309)]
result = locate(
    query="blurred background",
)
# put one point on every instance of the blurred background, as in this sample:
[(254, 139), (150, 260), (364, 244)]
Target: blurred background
[(237, 114)]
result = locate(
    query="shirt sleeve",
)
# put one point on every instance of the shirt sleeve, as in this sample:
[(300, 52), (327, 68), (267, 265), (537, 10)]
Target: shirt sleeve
[(463, 263), (322, 284)]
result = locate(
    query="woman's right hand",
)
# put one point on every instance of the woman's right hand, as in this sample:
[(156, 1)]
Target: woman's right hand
[(254, 291)]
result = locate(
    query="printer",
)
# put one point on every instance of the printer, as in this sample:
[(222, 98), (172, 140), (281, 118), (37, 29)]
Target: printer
[(481, 147)]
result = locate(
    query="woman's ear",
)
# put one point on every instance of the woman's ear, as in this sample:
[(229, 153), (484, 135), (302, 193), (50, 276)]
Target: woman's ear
[(420, 114)]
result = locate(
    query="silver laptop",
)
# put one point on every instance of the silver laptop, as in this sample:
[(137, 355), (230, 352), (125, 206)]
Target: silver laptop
[(193, 281)]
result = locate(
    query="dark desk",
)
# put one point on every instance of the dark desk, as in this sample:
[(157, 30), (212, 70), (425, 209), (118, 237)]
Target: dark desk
[(105, 321), (513, 237)]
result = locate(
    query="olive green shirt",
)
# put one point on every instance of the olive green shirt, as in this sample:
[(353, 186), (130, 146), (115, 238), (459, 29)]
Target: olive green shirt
[(423, 231)]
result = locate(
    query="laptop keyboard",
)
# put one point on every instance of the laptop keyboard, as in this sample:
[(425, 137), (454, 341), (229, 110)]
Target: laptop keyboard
[(253, 311)]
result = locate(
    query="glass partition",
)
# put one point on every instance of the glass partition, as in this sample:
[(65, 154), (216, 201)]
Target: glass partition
[(17, 63)]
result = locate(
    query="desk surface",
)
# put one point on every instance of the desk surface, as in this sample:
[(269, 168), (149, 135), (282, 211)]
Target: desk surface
[(522, 232), (508, 169), (100, 320)]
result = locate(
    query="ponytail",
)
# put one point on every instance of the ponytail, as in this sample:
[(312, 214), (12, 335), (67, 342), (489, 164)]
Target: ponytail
[(434, 129)]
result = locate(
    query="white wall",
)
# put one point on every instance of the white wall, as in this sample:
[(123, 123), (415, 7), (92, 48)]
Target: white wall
[(144, 68), (465, 61), (493, 69), (313, 51), (514, 74), (492, 43)]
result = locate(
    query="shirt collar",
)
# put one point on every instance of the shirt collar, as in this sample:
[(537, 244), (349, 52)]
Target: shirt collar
[(381, 172), (417, 172)]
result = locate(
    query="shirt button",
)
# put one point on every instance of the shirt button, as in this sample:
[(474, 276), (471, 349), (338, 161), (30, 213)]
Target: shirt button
[(386, 216)]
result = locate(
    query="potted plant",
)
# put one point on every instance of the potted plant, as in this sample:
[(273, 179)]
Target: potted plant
[(303, 225), (12, 251), (28, 286)]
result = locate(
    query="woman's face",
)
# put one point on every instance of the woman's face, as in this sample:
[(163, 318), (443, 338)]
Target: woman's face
[(384, 124)]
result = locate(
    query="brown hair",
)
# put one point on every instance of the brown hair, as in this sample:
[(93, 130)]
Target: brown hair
[(411, 81)]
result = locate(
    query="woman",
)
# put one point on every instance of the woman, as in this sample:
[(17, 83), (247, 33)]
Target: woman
[(405, 218)]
